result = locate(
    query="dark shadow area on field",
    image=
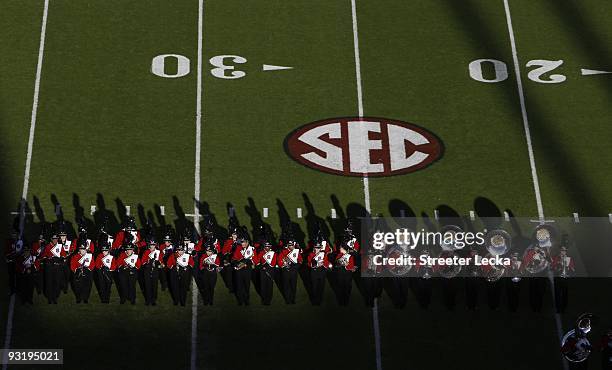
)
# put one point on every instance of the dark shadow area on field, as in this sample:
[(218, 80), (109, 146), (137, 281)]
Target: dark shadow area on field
[(585, 36), (548, 145), (80, 215)]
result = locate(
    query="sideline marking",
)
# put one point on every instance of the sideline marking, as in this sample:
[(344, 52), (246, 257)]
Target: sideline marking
[(196, 191), (534, 173), (366, 182), (26, 176)]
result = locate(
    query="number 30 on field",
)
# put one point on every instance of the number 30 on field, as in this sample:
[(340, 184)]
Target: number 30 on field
[(501, 71), (221, 63)]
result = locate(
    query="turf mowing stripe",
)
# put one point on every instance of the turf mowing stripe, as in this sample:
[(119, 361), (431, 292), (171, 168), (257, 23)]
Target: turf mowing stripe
[(26, 176), (534, 173), (366, 183), (196, 191)]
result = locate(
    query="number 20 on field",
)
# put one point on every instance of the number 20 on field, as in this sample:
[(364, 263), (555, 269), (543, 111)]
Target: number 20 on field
[(537, 74)]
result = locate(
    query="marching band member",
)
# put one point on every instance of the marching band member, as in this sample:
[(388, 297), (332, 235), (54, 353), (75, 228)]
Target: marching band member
[(242, 263), (69, 248), (10, 254), (151, 264), (121, 238), (105, 265), (180, 265), (266, 263), (210, 263), (318, 264), (128, 264), (37, 249), (513, 281), (605, 346), (229, 246), (83, 236), (26, 265), (344, 266), (562, 266), (575, 345), (289, 261), (53, 256), (81, 265), (166, 249), (372, 286), (537, 284)]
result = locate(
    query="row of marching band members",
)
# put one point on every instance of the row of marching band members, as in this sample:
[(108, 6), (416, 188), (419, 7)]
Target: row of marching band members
[(129, 260)]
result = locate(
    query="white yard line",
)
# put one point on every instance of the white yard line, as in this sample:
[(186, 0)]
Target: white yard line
[(534, 172), (519, 82), (26, 176), (366, 182), (196, 191)]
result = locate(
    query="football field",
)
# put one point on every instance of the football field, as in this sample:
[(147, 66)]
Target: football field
[(172, 111)]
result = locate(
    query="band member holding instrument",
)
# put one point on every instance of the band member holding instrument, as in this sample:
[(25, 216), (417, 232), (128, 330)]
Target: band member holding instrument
[(513, 281), (82, 237), (372, 286), (53, 256), (208, 237), (210, 264), (318, 265), (180, 266), (128, 264), (605, 346), (10, 254), (266, 262), (105, 265), (473, 281), (229, 246), (69, 248), (563, 267), (423, 283), (152, 265), (126, 236), (575, 344), (166, 249), (242, 263), (81, 265), (37, 248), (26, 266), (535, 257), (289, 261), (344, 266)]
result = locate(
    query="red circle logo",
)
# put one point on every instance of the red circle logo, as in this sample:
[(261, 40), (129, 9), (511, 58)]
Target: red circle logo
[(363, 146)]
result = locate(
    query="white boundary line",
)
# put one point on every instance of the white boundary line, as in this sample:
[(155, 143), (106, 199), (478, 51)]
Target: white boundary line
[(366, 183), (534, 173), (26, 176), (196, 191)]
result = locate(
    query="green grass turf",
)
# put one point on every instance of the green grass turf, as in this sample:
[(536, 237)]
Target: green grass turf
[(113, 128)]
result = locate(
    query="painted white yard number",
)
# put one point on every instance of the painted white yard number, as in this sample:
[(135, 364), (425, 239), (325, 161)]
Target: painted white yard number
[(158, 66), (221, 68), (221, 63), (501, 71)]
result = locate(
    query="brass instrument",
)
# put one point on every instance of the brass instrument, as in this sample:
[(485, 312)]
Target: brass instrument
[(396, 252), (498, 242), (539, 261), (450, 271), (515, 268)]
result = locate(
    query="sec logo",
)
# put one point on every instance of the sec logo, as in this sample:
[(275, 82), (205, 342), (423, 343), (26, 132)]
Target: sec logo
[(363, 146)]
